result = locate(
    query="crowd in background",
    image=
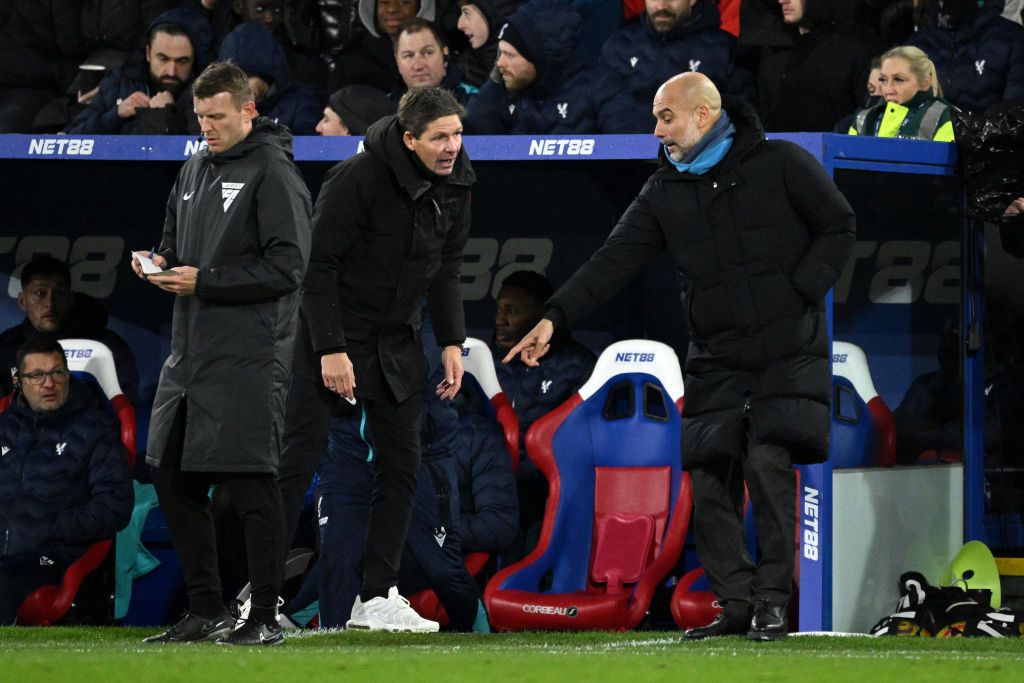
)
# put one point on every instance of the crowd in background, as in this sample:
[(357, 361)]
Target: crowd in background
[(539, 67)]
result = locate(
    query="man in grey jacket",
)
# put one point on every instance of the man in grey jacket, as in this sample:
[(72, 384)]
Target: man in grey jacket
[(234, 251)]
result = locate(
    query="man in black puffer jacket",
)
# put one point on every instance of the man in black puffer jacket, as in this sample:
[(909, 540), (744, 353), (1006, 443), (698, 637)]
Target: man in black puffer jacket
[(64, 480), (759, 234)]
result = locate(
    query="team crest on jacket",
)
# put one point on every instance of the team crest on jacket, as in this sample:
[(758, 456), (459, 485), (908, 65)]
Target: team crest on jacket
[(61, 447), (633, 61), (694, 64), (228, 191), (440, 535), (3, 450), (563, 109)]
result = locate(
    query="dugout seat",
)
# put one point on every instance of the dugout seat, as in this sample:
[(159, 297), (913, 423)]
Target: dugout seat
[(47, 605), (478, 363), (619, 503), (863, 430)]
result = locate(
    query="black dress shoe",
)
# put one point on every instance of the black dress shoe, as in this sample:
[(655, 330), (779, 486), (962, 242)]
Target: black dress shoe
[(769, 622), (733, 623)]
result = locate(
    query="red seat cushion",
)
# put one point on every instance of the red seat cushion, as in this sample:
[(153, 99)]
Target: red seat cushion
[(623, 548)]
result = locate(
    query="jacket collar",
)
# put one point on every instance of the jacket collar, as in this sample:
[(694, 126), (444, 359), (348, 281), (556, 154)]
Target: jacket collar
[(384, 140)]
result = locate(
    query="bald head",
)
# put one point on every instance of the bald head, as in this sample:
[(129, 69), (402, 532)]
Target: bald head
[(686, 107)]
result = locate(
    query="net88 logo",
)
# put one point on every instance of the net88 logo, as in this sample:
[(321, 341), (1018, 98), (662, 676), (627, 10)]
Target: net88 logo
[(93, 260)]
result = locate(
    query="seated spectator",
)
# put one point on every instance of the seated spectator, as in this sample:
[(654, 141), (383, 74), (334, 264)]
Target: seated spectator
[(978, 53), (873, 97), (291, 23), (370, 57), (912, 106), (432, 557), (152, 96), (543, 89), (64, 481), (480, 21), (41, 47), (51, 308), (672, 36), (291, 103), (352, 109), (533, 392), (423, 61), (816, 80)]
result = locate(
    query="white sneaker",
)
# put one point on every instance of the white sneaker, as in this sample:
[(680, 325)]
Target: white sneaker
[(392, 613)]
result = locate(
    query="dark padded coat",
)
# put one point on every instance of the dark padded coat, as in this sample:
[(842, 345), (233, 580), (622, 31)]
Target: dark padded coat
[(101, 114), (758, 241), (64, 480), (291, 103), (488, 504), (559, 101), (242, 218), (636, 60), (386, 233), (980, 63)]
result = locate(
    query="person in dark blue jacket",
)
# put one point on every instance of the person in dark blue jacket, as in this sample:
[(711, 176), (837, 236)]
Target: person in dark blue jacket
[(433, 556), (152, 95), (978, 54), (291, 103), (544, 87), (488, 505), (64, 480), (671, 37)]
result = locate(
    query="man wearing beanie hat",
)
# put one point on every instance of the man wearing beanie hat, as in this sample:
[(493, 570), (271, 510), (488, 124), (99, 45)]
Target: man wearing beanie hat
[(352, 109), (543, 88)]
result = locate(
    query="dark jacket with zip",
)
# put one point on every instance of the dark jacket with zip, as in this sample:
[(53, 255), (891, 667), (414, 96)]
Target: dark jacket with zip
[(758, 241), (242, 218), (386, 233), (64, 480)]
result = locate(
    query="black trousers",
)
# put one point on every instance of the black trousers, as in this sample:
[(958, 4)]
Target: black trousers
[(22, 574), (719, 532), (396, 461), (185, 501)]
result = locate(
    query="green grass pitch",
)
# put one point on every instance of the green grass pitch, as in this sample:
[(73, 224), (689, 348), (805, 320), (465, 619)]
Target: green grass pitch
[(113, 655)]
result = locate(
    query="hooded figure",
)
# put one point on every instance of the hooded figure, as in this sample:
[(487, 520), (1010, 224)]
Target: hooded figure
[(477, 63), (253, 48), (816, 80), (978, 54), (370, 58), (556, 100), (101, 116)]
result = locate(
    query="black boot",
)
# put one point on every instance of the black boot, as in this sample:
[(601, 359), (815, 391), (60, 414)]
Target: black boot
[(769, 622), (733, 622)]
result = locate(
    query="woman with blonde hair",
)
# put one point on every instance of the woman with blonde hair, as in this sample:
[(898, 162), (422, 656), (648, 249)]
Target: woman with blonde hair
[(912, 105)]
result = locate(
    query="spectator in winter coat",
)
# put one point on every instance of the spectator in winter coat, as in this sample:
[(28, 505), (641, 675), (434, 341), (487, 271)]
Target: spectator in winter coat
[(819, 78), (672, 36), (423, 61), (290, 103), (480, 21), (64, 480), (151, 96), (912, 105), (543, 89), (352, 109), (370, 57), (979, 54)]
